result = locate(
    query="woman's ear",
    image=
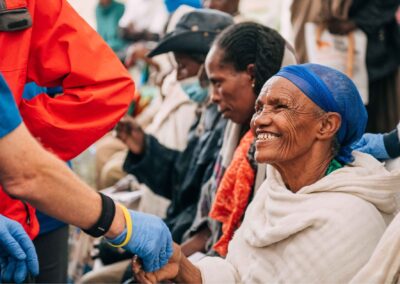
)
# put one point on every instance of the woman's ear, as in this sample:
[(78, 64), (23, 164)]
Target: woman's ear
[(329, 126), (251, 71)]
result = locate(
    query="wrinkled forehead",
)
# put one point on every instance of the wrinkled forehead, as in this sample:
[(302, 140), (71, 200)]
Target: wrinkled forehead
[(279, 88)]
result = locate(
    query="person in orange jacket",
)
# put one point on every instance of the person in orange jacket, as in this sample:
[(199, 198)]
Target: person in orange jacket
[(59, 49), (48, 43), (30, 173)]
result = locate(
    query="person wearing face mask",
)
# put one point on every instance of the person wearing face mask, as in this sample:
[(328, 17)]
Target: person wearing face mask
[(195, 87)]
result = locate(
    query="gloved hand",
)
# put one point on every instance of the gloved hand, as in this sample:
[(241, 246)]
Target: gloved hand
[(372, 144), (17, 253), (150, 240)]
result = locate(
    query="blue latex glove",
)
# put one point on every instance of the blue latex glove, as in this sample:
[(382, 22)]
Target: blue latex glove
[(151, 240), (17, 253), (372, 144)]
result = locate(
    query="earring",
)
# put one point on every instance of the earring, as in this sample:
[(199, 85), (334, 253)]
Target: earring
[(253, 84)]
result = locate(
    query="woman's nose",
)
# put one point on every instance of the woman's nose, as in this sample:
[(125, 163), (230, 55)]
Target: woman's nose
[(215, 97), (262, 118)]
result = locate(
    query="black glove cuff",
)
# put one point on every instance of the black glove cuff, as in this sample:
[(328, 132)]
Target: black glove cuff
[(392, 143), (106, 218)]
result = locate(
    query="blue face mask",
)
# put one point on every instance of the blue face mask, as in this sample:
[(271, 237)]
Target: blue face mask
[(193, 89)]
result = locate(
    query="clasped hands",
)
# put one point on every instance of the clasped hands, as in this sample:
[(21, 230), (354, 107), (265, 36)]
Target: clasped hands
[(168, 272)]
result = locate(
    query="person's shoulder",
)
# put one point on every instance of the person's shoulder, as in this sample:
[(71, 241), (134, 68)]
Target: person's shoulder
[(349, 211)]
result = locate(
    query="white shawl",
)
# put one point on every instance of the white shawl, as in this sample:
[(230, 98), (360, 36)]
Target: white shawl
[(324, 233), (384, 264)]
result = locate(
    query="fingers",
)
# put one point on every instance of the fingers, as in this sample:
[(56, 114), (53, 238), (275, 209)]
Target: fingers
[(152, 264), (136, 266), (122, 130), (8, 273), (11, 246), (166, 250), (127, 126), (141, 278), (3, 266), (169, 249), (163, 258), (21, 271), (31, 256)]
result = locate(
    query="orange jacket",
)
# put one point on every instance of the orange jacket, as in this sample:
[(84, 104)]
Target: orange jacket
[(60, 49)]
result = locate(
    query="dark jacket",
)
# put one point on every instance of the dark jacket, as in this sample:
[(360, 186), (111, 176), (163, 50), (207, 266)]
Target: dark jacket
[(377, 19), (179, 176)]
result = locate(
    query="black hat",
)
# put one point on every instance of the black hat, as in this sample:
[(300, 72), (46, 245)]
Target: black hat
[(194, 32)]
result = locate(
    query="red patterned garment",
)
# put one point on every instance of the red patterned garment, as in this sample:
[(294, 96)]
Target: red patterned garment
[(233, 194)]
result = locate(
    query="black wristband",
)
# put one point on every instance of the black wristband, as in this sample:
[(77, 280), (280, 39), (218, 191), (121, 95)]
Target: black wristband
[(106, 218), (392, 144)]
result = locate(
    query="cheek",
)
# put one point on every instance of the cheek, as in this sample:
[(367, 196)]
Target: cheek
[(299, 133), (290, 126)]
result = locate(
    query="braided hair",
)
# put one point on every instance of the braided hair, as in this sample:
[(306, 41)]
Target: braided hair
[(252, 43)]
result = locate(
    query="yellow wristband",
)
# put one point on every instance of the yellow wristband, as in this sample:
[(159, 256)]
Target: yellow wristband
[(128, 221)]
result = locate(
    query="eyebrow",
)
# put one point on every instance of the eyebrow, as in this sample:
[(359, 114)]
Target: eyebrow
[(276, 100)]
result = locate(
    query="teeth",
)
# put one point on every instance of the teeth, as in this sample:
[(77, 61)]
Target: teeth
[(266, 136)]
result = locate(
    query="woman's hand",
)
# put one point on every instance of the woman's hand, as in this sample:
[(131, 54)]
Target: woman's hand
[(139, 51), (169, 271), (129, 132)]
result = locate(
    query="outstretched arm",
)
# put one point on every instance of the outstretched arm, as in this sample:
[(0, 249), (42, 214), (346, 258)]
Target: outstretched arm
[(30, 173)]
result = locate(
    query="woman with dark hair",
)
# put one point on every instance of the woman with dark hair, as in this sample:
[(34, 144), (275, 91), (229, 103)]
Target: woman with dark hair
[(241, 60), (322, 209)]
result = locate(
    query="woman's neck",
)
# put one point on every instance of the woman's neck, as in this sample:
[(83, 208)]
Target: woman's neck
[(305, 170)]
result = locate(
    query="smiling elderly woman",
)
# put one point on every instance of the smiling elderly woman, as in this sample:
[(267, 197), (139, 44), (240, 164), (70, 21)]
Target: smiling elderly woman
[(320, 212)]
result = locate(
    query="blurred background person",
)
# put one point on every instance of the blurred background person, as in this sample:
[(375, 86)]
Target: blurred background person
[(377, 20), (108, 14)]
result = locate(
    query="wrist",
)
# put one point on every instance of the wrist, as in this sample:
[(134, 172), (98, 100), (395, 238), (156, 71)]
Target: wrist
[(107, 215), (187, 272), (118, 225)]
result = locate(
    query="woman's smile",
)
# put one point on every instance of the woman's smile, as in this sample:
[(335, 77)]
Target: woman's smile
[(265, 136)]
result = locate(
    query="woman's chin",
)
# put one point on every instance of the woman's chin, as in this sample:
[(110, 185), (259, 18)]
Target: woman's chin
[(263, 158)]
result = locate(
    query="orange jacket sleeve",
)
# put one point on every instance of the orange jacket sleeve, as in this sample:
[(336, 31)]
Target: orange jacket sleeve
[(65, 51)]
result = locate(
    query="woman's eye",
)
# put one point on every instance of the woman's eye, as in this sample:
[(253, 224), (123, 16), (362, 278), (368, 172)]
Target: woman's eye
[(281, 106)]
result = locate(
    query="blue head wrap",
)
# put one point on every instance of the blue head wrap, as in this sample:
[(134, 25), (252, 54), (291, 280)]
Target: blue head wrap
[(332, 91)]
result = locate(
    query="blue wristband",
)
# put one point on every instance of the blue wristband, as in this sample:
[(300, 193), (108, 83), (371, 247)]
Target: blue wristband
[(10, 117)]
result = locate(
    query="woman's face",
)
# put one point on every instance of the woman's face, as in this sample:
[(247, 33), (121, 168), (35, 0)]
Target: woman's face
[(285, 122), (187, 67), (231, 90)]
